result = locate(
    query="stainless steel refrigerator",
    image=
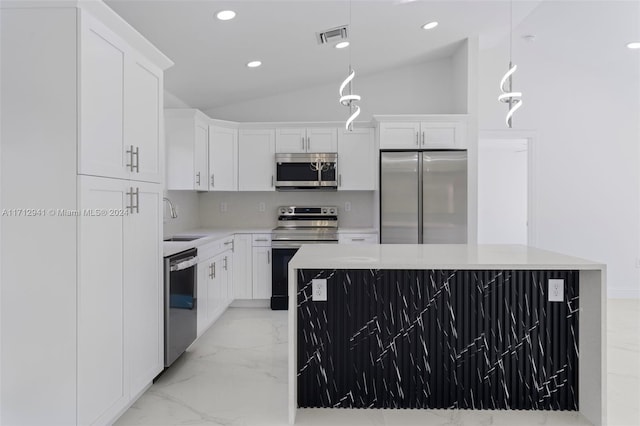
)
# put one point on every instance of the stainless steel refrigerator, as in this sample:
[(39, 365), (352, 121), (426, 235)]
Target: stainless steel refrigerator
[(423, 197)]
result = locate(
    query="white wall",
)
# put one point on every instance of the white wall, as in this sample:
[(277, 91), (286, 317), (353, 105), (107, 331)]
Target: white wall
[(585, 108), (417, 89), (243, 207), (459, 75)]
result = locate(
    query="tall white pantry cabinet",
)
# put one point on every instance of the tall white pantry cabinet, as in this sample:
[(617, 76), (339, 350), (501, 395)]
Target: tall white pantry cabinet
[(81, 163)]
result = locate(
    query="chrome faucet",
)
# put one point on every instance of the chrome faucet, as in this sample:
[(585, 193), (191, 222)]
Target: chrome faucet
[(172, 209)]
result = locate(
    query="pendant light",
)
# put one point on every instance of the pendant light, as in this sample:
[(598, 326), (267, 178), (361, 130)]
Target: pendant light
[(508, 96), (348, 99)]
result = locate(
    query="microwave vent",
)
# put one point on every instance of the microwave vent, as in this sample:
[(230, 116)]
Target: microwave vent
[(333, 35)]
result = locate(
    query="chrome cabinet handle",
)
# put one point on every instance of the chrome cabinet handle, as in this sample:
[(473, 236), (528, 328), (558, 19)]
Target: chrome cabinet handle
[(137, 154), (211, 270), (214, 270), (308, 143), (340, 179), (130, 205), (212, 180), (302, 143), (268, 257), (422, 138), (417, 138), (260, 239), (233, 244), (130, 163), (357, 239), (225, 263), (137, 199), (198, 178), (272, 181)]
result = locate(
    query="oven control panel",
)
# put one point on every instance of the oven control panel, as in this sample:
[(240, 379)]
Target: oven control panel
[(307, 211)]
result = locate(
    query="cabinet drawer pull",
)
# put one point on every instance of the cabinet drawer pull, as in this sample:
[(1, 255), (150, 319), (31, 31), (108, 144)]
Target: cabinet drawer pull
[(357, 239), (212, 180), (302, 145), (137, 207), (260, 239), (211, 270), (137, 154), (417, 138), (225, 263), (214, 269), (268, 256), (198, 178), (422, 138)]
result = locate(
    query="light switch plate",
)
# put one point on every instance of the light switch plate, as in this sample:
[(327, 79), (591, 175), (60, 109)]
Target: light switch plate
[(319, 290), (556, 290)]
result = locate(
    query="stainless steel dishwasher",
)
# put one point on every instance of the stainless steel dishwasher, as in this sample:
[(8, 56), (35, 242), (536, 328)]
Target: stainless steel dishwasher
[(180, 303)]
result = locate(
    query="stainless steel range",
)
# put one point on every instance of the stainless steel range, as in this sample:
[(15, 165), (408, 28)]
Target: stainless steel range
[(297, 226)]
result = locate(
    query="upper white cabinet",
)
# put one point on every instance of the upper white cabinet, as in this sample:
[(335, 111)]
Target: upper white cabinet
[(433, 132), (295, 140), (223, 158), (356, 159), (120, 108), (187, 147), (256, 159)]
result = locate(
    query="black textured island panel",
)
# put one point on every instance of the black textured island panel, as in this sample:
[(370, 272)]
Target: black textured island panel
[(438, 339)]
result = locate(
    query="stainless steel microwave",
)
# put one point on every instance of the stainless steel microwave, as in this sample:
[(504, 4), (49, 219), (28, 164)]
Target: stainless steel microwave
[(307, 171)]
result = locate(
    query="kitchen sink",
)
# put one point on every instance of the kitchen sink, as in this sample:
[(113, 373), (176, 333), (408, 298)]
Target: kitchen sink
[(183, 238)]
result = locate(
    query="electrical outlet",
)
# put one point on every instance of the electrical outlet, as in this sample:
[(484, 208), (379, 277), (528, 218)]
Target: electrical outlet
[(319, 290), (556, 290), (261, 207), (347, 206), (223, 207)]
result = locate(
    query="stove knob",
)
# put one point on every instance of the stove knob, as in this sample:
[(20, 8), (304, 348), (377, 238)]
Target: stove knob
[(283, 211), (324, 211), (290, 210), (332, 211)]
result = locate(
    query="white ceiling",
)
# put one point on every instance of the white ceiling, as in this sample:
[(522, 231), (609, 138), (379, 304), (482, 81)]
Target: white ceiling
[(210, 55)]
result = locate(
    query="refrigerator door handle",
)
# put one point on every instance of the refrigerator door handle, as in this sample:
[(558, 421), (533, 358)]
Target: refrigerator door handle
[(420, 198)]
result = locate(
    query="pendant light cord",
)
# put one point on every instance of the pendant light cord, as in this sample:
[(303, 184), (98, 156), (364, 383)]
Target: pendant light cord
[(511, 31)]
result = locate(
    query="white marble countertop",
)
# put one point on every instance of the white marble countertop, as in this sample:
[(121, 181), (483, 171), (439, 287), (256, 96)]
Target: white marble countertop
[(441, 256), (206, 236)]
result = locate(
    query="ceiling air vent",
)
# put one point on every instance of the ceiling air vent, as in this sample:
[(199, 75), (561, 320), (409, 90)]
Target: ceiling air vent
[(333, 35)]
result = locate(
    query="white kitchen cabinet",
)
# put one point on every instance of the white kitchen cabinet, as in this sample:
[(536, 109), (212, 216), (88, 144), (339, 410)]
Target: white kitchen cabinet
[(120, 107), (77, 71), (261, 272), (102, 86), (120, 343), (434, 133), (356, 160), (357, 238), (314, 139), (187, 146), (143, 286), (256, 162), (242, 255), (223, 158), (215, 281), (143, 124)]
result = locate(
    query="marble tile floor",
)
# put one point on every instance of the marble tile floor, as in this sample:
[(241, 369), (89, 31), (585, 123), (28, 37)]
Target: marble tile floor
[(236, 375)]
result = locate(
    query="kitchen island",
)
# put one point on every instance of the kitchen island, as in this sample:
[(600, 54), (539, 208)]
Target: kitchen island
[(446, 326)]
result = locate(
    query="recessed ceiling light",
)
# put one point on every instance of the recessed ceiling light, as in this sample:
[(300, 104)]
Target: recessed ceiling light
[(254, 64), (226, 15), (430, 25), (634, 45), (342, 45)]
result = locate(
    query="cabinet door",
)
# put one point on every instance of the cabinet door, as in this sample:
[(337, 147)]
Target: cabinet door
[(443, 134), (202, 291), (242, 288), (356, 160), (256, 160), (322, 139), (223, 158), (261, 272), (143, 106), (102, 389), (201, 157), (102, 150), (143, 286), (399, 135), (291, 140)]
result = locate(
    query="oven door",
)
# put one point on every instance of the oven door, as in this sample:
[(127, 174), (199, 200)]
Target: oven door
[(282, 252)]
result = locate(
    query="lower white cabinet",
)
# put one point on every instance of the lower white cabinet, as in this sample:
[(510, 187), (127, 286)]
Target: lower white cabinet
[(261, 272), (252, 266), (358, 238), (214, 290), (120, 340)]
